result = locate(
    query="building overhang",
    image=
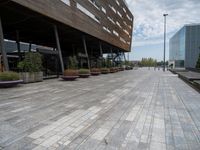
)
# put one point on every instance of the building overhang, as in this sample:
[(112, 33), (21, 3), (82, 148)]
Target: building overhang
[(37, 27)]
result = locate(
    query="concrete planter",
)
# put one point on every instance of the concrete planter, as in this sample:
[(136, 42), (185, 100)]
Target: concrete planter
[(95, 73), (69, 78), (31, 77), (8, 84), (84, 75)]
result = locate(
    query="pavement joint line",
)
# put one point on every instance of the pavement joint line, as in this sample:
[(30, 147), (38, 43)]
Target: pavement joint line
[(162, 120), (187, 112)]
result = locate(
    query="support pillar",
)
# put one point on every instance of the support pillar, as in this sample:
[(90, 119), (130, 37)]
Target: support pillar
[(118, 58), (18, 45), (91, 59), (59, 48), (73, 49), (124, 57), (111, 50), (2, 49), (128, 56), (30, 46), (86, 52), (101, 53), (101, 50)]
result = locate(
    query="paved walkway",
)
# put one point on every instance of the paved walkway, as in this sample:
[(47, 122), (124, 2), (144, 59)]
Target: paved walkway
[(137, 109)]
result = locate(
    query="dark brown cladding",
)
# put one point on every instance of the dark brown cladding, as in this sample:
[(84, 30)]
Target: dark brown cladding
[(107, 20)]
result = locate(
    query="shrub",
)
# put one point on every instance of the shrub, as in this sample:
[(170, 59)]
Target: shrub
[(105, 70), (113, 69), (31, 63), (71, 72), (108, 63), (84, 71), (9, 76), (73, 62), (95, 70)]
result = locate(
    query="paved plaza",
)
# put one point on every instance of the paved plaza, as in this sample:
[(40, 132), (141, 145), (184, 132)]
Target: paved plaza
[(131, 110)]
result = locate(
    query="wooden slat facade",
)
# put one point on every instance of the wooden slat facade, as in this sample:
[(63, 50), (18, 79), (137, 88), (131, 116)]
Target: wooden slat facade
[(71, 16)]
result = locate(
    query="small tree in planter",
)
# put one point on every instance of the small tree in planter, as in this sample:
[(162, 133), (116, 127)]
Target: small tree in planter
[(71, 73), (198, 63), (105, 70), (9, 79), (31, 67), (113, 70), (95, 71), (107, 65), (121, 67), (84, 73)]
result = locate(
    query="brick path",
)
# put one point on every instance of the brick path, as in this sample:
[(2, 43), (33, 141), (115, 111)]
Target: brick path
[(137, 109)]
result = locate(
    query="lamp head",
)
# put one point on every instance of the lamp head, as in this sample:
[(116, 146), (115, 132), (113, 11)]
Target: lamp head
[(165, 15)]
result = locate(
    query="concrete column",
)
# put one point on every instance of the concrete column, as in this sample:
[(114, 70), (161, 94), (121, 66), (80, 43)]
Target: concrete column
[(101, 53), (124, 56), (101, 50), (59, 48), (111, 50), (2, 48), (18, 45), (30, 46), (86, 52)]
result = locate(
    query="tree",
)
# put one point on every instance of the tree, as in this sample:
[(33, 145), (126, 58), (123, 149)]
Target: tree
[(31, 63), (73, 62), (148, 62), (198, 63)]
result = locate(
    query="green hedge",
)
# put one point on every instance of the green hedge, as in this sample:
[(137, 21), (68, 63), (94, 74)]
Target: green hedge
[(84, 71), (9, 76)]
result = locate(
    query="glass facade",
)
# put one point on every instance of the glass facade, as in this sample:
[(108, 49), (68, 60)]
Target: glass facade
[(192, 45), (177, 48), (184, 47)]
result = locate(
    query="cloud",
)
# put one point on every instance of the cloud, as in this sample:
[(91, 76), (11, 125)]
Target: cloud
[(148, 24)]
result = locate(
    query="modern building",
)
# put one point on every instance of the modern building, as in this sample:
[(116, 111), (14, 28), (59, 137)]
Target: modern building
[(184, 47), (87, 28)]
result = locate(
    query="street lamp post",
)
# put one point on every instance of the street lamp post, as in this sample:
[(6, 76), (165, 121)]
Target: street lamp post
[(165, 15)]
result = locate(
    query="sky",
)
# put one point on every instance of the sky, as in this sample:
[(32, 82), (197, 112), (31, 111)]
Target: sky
[(149, 24)]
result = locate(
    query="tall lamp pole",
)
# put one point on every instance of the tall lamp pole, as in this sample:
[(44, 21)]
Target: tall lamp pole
[(165, 16)]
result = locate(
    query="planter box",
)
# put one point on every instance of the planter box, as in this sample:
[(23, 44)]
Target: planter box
[(31, 77), (8, 84), (95, 73), (69, 78), (84, 75), (105, 72)]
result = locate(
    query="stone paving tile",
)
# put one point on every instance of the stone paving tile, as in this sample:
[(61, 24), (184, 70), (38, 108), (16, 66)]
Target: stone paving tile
[(132, 110)]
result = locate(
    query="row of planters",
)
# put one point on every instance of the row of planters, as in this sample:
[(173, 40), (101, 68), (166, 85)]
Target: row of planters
[(30, 71), (73, 74)]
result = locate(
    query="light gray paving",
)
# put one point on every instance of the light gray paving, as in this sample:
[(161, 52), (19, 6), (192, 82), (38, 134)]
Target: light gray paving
[(139, 109)]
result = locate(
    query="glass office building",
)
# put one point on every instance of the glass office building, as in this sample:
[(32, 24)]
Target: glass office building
[(184, 47)]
